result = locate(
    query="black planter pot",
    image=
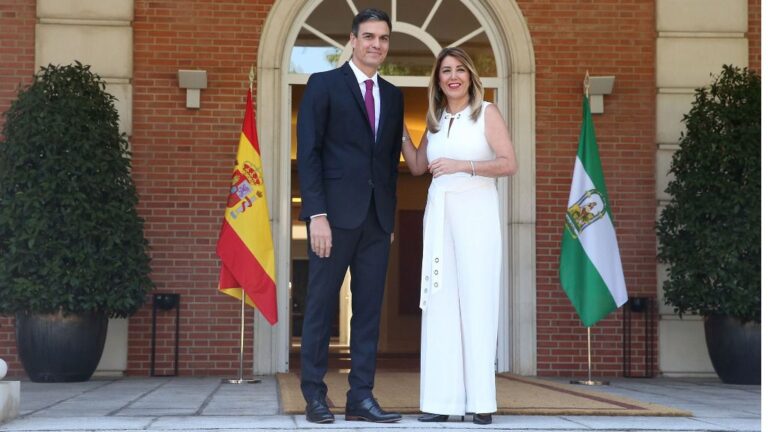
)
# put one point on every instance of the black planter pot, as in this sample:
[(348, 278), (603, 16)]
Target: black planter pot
[(734, 348), (60, 348)]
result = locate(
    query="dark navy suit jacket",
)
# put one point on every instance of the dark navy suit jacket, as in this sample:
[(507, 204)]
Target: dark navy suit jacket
[(341, 166)]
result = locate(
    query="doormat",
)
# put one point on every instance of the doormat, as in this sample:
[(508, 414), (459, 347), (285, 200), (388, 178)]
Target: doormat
[(399, 391)]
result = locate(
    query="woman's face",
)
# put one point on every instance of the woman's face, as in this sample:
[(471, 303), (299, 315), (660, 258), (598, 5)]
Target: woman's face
[(454, 78)]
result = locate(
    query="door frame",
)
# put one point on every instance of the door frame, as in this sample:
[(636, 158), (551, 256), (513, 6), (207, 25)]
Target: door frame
[(516, 101)]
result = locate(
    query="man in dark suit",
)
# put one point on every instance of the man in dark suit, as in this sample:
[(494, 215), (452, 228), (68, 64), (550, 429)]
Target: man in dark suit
[(349, 128)]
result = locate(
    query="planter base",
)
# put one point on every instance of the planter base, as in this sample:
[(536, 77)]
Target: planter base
[(734, 348), (60, 348)]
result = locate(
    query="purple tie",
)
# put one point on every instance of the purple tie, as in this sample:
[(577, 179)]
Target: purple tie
[(369, 106)]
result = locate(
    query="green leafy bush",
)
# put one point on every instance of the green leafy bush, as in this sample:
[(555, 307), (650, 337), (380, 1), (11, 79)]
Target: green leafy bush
[(70, 237), (709, 234)]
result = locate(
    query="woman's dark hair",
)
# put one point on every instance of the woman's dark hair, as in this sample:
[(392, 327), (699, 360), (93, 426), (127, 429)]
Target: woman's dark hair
[(370, 14)]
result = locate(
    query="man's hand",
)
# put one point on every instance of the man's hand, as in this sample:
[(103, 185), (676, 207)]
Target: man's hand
[(320, 236)]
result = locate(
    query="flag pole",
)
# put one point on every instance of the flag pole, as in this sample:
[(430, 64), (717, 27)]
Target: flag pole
[(251, 76), (586, 84), (239, 379), (586, 139), (589, 381)]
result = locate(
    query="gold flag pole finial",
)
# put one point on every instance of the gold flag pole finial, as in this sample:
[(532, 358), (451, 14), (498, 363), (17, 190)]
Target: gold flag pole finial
[(251, 76), (586, 84)]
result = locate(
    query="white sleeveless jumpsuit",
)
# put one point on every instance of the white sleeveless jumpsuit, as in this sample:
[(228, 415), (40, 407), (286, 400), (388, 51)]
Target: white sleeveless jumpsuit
[(461, 273)]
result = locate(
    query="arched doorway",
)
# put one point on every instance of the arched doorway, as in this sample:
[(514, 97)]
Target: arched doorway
[(318, 30)]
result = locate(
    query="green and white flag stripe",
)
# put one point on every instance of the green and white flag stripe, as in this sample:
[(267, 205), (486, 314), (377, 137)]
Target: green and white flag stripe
[(590, 264)]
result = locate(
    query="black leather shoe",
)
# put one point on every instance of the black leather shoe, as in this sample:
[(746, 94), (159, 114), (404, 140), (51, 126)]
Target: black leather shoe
[(317, 412), (433, 418), (369, 410), (482, 419)]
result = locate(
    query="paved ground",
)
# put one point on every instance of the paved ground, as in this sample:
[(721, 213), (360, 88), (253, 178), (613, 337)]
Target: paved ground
[(205, 404)]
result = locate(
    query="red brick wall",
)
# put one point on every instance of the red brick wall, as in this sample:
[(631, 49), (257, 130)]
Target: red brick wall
[(183, 209), (183, 161), (17, 51), (606, 37)]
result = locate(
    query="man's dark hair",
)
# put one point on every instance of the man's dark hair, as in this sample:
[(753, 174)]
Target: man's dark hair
[(370, 14)]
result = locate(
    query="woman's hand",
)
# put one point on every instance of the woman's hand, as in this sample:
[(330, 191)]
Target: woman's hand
[(444, 166), (415, 158)]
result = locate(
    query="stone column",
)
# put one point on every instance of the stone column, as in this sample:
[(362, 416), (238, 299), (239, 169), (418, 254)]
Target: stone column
[(695, 38), (98, 33)]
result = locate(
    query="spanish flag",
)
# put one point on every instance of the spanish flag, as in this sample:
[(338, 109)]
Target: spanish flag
[(245, 242)]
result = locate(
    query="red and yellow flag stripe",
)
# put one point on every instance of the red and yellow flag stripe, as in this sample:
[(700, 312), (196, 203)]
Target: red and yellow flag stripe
[(245, 242)]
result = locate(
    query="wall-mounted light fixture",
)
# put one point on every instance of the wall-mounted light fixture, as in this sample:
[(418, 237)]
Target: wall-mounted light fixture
[(599, 86), (193, 81)]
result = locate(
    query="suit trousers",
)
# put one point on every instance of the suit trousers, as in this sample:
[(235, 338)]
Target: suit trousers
[(365, 251), (460, 324)]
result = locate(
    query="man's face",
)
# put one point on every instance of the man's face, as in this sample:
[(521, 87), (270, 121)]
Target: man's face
[(370, 46)]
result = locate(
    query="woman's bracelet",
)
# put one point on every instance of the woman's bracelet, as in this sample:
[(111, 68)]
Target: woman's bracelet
[(472, 164)]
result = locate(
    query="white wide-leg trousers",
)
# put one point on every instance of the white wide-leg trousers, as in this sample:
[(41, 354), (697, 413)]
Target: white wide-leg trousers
[(460, 323)]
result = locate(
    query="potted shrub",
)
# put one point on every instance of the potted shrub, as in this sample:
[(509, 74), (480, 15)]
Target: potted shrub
[(72, 247), (709, 234)]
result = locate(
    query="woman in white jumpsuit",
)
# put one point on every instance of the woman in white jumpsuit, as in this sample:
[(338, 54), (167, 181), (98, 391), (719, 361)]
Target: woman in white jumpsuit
[(465, 148)]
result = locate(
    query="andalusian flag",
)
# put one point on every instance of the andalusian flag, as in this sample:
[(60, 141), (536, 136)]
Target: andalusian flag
[(590, 265), (245, 243)]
